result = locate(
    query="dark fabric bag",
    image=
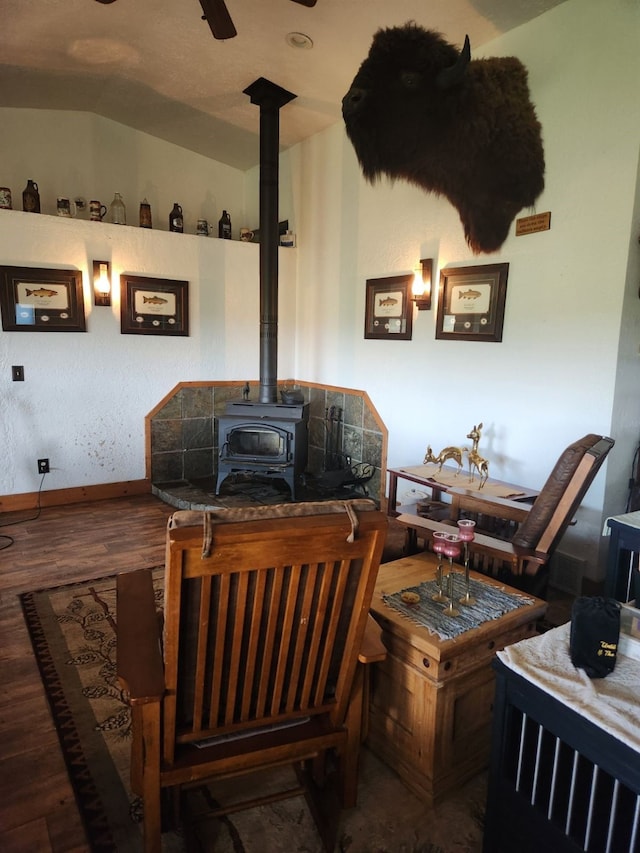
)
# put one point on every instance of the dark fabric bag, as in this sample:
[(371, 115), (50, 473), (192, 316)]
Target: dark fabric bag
[(595, 631)]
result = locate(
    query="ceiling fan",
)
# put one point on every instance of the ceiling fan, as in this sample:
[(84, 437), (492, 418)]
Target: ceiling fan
[(217, 16)]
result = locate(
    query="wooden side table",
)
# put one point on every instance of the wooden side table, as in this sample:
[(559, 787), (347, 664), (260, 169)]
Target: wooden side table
[(423, 475), (431, 699)]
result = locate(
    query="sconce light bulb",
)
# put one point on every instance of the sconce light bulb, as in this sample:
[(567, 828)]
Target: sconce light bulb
[(418, 287), (103, 285)]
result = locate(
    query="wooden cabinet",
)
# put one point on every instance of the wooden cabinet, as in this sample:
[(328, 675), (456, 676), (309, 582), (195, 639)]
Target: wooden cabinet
[(431, 700)]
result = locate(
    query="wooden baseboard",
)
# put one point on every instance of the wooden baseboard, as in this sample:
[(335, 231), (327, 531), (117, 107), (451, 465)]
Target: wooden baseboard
[(62, 497)]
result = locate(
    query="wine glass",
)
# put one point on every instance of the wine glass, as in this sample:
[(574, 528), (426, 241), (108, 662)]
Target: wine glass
[(466, 531), (452, 548), (438, 545)]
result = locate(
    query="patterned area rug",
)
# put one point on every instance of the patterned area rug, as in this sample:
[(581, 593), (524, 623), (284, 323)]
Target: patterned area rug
[(73, 633)]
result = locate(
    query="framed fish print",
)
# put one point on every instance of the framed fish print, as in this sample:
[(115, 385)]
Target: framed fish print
[(153, 306), (41, 300), (471, 303), (389, 308)]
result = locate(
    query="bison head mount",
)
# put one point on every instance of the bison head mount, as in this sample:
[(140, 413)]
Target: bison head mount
[(423, 111)]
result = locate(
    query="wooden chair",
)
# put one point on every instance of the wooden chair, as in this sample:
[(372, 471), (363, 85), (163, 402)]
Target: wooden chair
[(265, 622), (537, 528)]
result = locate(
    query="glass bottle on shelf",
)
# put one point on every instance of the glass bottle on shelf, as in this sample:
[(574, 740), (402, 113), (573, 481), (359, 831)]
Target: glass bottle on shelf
[(117, 211), (224, 226), (145, 214), (176, 222), (31, 198)]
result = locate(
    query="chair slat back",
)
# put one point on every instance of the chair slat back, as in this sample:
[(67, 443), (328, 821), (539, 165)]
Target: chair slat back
[(267, 627)]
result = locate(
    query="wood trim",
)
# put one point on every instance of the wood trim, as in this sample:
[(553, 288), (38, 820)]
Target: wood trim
[(79, 494)]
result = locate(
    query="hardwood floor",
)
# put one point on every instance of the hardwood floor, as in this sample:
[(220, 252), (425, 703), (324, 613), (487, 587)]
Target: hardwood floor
[(64, 544)]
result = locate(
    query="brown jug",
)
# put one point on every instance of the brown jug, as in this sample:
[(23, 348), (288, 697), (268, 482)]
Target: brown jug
[(176, 222), (31, 198)]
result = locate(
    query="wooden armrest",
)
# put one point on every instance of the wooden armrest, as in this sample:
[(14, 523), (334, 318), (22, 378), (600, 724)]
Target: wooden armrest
[(489, 505), (372, 649), (418, 522), (482, 543), (139, 662)]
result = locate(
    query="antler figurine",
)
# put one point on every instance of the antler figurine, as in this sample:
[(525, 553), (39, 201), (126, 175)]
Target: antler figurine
[(454, 453), (475, 460)]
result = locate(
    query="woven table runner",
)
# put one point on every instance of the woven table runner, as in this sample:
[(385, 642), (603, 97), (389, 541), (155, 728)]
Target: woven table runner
[(491, 603)]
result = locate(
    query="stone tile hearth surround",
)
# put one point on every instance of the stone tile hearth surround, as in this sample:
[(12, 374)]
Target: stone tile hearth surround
[(182, 435)]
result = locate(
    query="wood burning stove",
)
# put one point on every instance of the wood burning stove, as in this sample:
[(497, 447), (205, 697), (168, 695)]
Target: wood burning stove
[(269, 439), (266, 437)]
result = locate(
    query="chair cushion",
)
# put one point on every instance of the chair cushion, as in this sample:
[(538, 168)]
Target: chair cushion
[(192, 518), (545, 504)]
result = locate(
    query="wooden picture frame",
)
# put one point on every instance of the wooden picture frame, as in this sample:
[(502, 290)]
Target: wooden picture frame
[(153, 306), (33, 299), (471, 302), (389, 308)]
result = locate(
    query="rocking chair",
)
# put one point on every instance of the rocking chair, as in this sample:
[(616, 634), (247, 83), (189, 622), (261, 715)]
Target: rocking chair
[(523, 560), (260, 666)]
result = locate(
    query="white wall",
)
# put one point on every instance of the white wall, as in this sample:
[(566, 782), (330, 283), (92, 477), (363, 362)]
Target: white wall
[(553, 377), (73, 154), (85, 395)]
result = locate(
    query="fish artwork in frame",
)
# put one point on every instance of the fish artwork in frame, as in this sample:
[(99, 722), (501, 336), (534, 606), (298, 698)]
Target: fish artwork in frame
[(33, 299), (471, 302), (389, 308), (153, 306)]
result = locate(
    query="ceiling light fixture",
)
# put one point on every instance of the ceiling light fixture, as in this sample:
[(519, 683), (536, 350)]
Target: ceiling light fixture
[(299, 40)]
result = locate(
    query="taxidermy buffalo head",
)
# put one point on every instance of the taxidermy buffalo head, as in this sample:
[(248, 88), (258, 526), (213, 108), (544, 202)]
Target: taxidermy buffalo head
[(465, 129)]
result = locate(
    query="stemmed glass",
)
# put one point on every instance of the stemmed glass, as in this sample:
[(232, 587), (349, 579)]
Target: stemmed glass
[(438, 545), (466, 529), (451, 550)]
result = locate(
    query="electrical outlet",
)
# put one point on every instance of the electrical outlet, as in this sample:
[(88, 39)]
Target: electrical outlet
[(43, 466), (17, 373)]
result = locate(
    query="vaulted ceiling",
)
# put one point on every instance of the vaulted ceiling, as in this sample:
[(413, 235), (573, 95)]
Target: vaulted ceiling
[(154, 65)]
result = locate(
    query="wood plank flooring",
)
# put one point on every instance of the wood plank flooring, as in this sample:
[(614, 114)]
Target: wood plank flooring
[(38, 813), (63, 545)]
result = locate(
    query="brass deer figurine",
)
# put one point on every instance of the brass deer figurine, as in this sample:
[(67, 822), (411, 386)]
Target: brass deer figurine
[(454, 453), (475, 460)]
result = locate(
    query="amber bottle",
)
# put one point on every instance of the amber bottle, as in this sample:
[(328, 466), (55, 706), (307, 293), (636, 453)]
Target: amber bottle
[(31, 198)]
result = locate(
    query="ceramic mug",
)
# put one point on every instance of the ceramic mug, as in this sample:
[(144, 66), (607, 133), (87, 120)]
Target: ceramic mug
[(96, 211), (246, 235), (202, 228), (5, 198), (66, 207)]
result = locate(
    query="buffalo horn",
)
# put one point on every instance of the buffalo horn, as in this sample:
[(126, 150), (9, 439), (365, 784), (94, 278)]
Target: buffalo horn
[(451, 76)]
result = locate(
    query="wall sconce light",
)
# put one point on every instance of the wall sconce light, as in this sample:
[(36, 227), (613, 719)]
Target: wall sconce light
[(101, 283), (421, 287)]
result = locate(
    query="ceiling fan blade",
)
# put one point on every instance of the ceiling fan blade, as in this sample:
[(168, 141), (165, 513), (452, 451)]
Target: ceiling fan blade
[(308, 3), (219, 19)]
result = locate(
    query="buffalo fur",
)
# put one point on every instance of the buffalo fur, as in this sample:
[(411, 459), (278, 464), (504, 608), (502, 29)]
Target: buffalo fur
[(476, 141)]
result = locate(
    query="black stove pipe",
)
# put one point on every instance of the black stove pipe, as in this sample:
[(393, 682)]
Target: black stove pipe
[(269, 97)]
